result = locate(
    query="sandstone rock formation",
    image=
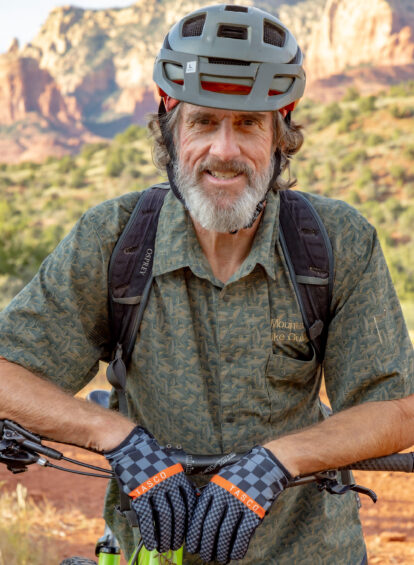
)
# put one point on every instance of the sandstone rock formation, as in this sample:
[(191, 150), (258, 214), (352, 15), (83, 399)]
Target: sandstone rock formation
[(352, 34), (44, 121), (104, 58), (24, 88), (94, 67)]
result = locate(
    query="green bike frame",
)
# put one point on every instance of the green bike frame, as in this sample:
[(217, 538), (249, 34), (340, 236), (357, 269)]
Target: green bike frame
[(154, 558), (145, 558)]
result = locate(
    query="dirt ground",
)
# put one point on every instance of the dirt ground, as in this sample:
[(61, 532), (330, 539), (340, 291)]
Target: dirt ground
[(388, 524)]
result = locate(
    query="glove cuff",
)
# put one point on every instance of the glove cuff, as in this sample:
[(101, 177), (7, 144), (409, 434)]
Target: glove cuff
[(138, 431), (279, 464)]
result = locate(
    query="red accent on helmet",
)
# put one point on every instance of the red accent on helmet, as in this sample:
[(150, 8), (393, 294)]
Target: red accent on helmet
[(224, 88)]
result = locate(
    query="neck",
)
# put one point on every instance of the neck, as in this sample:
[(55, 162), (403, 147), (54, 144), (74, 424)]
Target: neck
[(226, 252)]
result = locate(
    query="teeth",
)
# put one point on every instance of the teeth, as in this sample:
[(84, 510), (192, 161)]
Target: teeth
[(223, 175)]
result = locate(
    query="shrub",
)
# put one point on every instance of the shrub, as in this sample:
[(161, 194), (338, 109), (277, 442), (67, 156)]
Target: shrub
[(374, 139), (133, 172), (354, 197), (51, 160), (401, 113), (132, 155), (367, 105), (348, 120), (351, 94), (393, 208), (115, 164), (66, 164), (407, 219), (330, 171), (30, 165), (90, 149), (409, 151), (365, 177), (331, 113), (132, 133), (398, 174), (349, 161), (308, 174), (5, 182), (402, 89), (78, 178)]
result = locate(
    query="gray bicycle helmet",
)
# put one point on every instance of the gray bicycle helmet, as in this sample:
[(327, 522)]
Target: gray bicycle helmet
[(231, 57)]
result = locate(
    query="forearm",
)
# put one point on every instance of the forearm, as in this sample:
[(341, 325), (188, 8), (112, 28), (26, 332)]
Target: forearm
[(43, 408), (370, 430)]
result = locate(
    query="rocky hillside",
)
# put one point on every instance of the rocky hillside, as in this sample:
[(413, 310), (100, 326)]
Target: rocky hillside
[(92, 69), (360, 149)]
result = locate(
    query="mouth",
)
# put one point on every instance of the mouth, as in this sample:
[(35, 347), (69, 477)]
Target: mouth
[(223, 175)]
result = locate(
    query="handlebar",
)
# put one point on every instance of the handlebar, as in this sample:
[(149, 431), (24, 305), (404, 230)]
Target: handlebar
[(20, 448)]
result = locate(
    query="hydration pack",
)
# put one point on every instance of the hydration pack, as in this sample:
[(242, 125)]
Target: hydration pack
[(306, 248)]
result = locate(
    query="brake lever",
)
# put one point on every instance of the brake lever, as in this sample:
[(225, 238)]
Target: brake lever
[(12, 432), (18, 459), (333, 487)]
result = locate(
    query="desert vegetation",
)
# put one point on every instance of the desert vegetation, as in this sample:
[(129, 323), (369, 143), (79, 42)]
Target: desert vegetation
[(359, 149)]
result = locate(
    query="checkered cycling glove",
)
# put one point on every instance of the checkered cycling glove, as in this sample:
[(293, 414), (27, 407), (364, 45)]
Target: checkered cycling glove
[(163, 497), (233, 504)]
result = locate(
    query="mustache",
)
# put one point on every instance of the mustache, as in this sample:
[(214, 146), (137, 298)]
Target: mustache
[(234, 166)]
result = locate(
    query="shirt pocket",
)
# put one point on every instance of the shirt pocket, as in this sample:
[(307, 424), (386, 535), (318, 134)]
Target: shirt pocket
[(293, 386)]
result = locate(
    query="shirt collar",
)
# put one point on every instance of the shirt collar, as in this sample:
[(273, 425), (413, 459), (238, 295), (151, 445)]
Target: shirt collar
[(177, 246), (171, 243)]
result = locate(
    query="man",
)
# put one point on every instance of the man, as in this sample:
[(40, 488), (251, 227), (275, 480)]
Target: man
[(212, 368)]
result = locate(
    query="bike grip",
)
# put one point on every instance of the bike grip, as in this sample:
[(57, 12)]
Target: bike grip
[(402, 462)]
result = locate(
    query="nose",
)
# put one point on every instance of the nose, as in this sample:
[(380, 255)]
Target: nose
[(225, 145)]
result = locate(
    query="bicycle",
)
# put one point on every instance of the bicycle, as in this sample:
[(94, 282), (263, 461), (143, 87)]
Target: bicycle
[(20, 448)]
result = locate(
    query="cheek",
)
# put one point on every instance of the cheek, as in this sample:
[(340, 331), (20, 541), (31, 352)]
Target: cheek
[(260, 152), (190, 149)]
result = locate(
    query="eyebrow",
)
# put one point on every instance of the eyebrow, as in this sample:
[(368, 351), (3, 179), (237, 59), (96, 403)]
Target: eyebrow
[(203, 114)]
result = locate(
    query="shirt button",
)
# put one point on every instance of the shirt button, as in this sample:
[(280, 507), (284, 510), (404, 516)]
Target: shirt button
[(226, 298), (229, 359), (230, 419)]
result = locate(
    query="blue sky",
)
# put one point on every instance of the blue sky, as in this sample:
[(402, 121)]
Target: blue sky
[(23, 18)]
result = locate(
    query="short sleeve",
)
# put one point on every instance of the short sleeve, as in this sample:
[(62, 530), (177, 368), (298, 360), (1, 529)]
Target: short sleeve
[(57, 326), (369, 356)]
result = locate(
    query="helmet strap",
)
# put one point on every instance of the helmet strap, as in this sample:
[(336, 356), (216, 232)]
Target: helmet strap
[(168, 141), (261, 204), (288, 118)]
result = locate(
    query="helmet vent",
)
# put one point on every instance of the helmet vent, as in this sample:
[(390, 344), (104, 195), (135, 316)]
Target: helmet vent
[(236, 9), (273, 35), (194, 26), (232, 32), (221, 61)]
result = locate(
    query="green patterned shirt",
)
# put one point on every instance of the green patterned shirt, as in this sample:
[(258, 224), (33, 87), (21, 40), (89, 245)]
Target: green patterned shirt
[(222, 367)]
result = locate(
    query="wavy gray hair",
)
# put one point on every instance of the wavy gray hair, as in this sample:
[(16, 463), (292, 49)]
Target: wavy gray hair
[(288, 137)]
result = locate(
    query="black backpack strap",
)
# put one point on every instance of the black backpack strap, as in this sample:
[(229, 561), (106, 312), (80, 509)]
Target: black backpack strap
[(309, 257), (129, 283)]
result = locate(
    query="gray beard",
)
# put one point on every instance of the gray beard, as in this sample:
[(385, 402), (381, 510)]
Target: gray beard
[(205, 208)]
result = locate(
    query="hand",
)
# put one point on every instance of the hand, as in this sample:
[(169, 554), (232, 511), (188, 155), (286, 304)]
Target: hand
[(233, 504), (163, 497)]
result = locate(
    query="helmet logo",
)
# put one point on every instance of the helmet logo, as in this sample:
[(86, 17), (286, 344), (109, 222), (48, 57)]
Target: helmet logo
[(191, 67)]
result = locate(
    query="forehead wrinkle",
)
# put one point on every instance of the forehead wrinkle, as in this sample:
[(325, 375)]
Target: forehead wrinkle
[(207, 113)]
